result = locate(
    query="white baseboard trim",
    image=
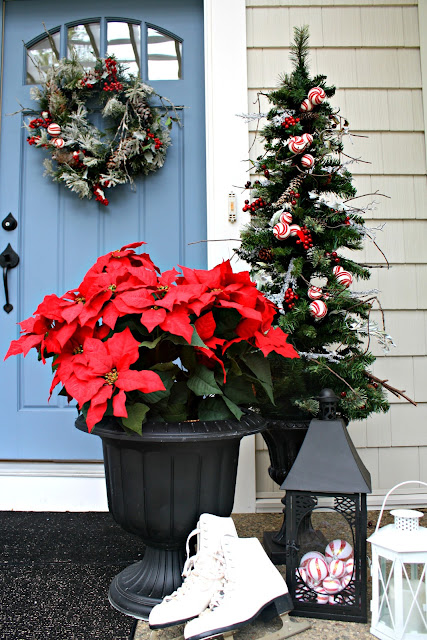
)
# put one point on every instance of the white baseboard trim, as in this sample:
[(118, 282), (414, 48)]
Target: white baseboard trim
[(416, 499), (52, 486)]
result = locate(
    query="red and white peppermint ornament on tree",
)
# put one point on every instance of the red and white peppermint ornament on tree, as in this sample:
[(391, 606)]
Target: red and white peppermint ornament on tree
[(294, 229), (285, 217), (308, 138), (297, 144), (316, 95), (281, 230), (307, 161), (337, 269), (318, 309), (315, 293), (54, 130), (306, 105), (59, 143), (344, 277)]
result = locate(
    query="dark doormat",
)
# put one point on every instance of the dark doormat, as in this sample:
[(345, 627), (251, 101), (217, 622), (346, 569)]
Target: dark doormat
[(55, 571)]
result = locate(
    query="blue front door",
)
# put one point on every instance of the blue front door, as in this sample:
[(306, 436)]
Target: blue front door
[(59, 236)]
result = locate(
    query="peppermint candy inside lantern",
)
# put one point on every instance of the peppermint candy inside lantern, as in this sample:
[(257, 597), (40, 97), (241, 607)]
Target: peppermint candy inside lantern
[(318, 309), (307, 161), (339, 549), (281, 230), (54, 129), (316, 95)]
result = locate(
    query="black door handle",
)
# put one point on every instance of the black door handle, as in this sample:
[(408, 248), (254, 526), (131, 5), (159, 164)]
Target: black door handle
[(8, 260)]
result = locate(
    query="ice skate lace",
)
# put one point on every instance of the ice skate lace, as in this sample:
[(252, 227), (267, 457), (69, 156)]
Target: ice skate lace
[(228, 584), (203, 568)]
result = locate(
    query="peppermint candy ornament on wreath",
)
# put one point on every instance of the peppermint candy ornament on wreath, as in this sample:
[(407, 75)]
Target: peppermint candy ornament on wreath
[(318, 309), (281, 230), (54, 129), (307, 161), (58, 143), (336, 270), (316, 95)]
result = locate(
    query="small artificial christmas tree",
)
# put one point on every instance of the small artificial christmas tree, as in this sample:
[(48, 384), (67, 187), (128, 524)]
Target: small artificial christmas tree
[(304, 225)]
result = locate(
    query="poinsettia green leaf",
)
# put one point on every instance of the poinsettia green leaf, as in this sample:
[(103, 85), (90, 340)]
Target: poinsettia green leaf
[(196, 340), (214, 409), (151, 345), (165, 366), (179, 393), (235, 410), (239, 390), (175, 413), (188, 358), (260, 367), (203, 383), (156, 396), (136, 416)]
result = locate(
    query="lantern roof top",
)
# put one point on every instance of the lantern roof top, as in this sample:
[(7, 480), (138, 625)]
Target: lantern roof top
[(389, 537), (328, 462)]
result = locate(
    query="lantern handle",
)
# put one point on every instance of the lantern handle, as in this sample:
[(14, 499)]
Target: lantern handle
[(392, 489)]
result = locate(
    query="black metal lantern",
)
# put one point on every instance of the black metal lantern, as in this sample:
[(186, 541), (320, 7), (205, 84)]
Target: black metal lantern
[(327, 486)]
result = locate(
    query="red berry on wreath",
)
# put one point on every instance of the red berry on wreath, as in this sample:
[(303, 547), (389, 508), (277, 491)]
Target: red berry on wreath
[(343, 394)]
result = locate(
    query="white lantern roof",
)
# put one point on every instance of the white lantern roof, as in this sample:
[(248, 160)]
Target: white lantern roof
[(404, 535)]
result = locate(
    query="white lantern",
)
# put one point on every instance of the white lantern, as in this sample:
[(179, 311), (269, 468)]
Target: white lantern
[(399, 576)]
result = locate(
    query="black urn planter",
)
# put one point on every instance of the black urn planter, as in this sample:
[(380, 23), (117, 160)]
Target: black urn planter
[(284, 439), (158, 484)]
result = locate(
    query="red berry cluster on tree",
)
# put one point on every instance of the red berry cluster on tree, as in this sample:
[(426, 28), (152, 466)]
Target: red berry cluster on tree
[(289, 122), (294, 195), (256, 204), (333, 256), (304, 238), (290, 297)]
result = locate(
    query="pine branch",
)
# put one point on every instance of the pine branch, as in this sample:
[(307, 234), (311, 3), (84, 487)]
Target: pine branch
[(397, 392), (299, 47)]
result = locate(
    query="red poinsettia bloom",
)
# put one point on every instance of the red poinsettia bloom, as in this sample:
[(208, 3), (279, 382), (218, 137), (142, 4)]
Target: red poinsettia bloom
[(107, 374)]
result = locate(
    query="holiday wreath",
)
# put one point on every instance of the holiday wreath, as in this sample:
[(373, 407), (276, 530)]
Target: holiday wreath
[(86, 159)]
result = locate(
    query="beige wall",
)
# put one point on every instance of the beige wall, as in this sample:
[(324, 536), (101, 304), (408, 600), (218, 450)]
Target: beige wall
[(370, 49)]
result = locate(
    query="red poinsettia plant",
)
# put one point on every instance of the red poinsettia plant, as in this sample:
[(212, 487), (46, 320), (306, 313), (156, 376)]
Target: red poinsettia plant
[(139, 344)]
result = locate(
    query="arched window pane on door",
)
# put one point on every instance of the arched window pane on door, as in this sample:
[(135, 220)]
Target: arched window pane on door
[(124, 42), (164, 53), (41, 55), (83, 41)]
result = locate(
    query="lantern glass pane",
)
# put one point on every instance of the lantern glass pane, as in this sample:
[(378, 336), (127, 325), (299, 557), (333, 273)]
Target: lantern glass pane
[(326, 558), (386, 600), (414, 601)]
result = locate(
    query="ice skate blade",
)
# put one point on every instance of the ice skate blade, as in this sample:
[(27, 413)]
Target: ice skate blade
[(290, 627), (156, 634)]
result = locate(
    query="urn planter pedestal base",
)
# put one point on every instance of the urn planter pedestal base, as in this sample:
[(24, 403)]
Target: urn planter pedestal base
[(158, 484)]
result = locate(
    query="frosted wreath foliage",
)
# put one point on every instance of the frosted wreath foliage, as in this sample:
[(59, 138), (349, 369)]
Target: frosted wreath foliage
[(86, 159)]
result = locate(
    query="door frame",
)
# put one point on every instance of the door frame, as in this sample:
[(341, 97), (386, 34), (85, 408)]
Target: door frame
[(56, 486)]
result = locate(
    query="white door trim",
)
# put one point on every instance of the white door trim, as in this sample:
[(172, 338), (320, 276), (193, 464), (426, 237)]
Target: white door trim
[(69, 486)]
